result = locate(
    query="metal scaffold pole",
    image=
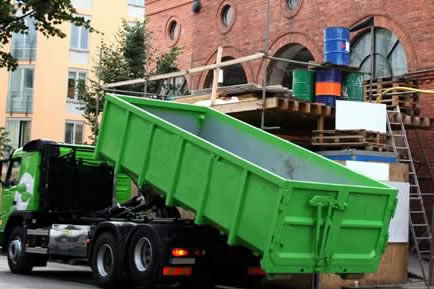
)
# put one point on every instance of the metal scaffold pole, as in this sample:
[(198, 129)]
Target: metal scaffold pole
[(265, 60)]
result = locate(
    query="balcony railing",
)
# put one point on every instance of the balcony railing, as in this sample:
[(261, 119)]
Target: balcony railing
[(24, 53), (20, 101)]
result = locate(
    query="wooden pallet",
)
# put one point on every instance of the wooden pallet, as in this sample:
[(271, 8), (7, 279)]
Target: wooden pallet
[(303, 107), (368, 140), (410, 121)]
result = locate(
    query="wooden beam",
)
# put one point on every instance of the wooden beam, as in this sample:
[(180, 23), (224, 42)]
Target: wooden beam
[(251, 105), (216, 75), (188, 71)]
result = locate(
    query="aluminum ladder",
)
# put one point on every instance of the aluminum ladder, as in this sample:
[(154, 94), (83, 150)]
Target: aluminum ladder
[(420, 230)]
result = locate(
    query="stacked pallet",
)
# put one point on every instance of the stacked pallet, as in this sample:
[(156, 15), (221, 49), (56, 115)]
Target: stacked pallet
[(304, 107), (344, 139), (408, 101), (396, 119)]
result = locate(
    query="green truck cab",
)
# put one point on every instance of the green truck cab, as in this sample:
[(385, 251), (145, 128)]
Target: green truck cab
[(21, 178)]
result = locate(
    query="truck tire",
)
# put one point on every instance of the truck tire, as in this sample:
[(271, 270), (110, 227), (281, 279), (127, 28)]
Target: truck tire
[(105, 261), (19, 262), (143, 257)]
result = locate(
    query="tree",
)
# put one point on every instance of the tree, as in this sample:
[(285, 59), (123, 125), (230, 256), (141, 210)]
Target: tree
[(124, 59), (47, 15), (5, 147)]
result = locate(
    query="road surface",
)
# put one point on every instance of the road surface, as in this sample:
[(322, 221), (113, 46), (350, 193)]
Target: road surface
[(55, 275)]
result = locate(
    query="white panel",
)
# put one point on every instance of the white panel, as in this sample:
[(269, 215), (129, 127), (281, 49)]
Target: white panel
[(82, 4), (360, 115), (136, 11), (376, 171), (73, 107), (78, 57), (398, 229)]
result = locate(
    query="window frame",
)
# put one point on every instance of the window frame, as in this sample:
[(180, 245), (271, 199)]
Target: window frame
[(387, 59), (74, 131), (9, 172), (135, 4), (26, 38), (77, 72), (80, 29), (20, 135), (21, 90)]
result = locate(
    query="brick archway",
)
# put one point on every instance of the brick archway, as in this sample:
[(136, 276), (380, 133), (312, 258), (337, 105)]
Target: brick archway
[(228, 51), (291, 38), (382, 21)]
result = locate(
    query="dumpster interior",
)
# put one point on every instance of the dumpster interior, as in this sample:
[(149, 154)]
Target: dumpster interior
[(266, 151)]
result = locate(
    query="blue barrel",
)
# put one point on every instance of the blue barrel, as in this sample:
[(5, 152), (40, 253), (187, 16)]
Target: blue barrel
[(337, 45), (328, 75)]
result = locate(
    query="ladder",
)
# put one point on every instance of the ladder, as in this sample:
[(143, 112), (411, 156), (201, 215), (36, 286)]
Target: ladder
[(420, 229)]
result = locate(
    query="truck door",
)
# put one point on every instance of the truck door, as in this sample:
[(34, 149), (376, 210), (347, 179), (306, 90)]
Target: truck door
[(10, 178)]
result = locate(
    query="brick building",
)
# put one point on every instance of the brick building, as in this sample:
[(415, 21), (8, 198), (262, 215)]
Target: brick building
[(404, 37)]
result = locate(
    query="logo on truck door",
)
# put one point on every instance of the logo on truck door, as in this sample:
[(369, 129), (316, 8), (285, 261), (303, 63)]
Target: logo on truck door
[(24, 192)]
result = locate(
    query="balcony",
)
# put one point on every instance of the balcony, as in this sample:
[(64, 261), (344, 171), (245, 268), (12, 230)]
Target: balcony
[(24, 53), (20, 101)]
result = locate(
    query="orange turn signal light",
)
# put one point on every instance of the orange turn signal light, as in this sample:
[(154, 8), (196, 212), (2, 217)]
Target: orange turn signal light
[(180, 252)]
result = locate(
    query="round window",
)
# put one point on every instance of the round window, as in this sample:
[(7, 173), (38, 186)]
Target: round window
[(292, 4), (173, 30), (227, 15)]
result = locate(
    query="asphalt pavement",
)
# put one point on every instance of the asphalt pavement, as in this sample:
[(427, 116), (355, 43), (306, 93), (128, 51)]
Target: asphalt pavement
[(54, 276)]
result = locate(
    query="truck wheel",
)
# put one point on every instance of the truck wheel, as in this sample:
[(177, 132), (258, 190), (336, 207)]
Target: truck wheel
[(19, 262), (143, 257), (105, 261)]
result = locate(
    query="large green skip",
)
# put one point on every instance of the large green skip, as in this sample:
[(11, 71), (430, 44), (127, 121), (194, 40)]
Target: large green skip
[(299, 211)]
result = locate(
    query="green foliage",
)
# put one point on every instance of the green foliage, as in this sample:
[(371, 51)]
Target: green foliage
[(47, 16), (5, 147), (125, 59)]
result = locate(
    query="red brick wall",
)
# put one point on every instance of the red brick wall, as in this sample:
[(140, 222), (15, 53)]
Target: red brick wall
[(201, 33)]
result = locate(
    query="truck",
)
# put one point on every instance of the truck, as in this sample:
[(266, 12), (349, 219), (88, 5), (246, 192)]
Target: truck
[(262, 205)]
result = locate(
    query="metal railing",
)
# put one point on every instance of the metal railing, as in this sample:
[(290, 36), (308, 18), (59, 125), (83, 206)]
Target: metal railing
[(20, 101)]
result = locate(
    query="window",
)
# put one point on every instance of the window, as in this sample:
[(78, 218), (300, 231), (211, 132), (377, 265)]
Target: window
[(13, 173), (79, 37), (137, 2), (232, 75), (389, 56), (227, 15), (24, 45), (19, 132), (292, 4), (173, 30), (76, 82), (21, 90), (74, 132), (173, 86)]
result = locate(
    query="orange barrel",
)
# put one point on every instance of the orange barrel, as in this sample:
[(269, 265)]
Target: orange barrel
[(328, 86)]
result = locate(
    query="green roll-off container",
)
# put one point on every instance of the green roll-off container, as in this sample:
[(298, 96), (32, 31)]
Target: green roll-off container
[(299, 211), (353, 86), (303, 84)]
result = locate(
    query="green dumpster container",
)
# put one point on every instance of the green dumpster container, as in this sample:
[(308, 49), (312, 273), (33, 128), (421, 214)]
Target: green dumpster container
[(299, 211)]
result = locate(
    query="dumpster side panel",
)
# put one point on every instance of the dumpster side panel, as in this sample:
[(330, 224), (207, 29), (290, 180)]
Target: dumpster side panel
[(329, 228)]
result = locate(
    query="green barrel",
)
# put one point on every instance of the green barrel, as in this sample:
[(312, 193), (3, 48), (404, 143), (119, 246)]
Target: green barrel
[(303, 84), (352, 87)]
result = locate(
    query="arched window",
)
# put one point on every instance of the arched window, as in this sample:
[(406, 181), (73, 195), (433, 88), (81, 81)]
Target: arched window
[(280, 72), (232, 75), (390, 59)]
